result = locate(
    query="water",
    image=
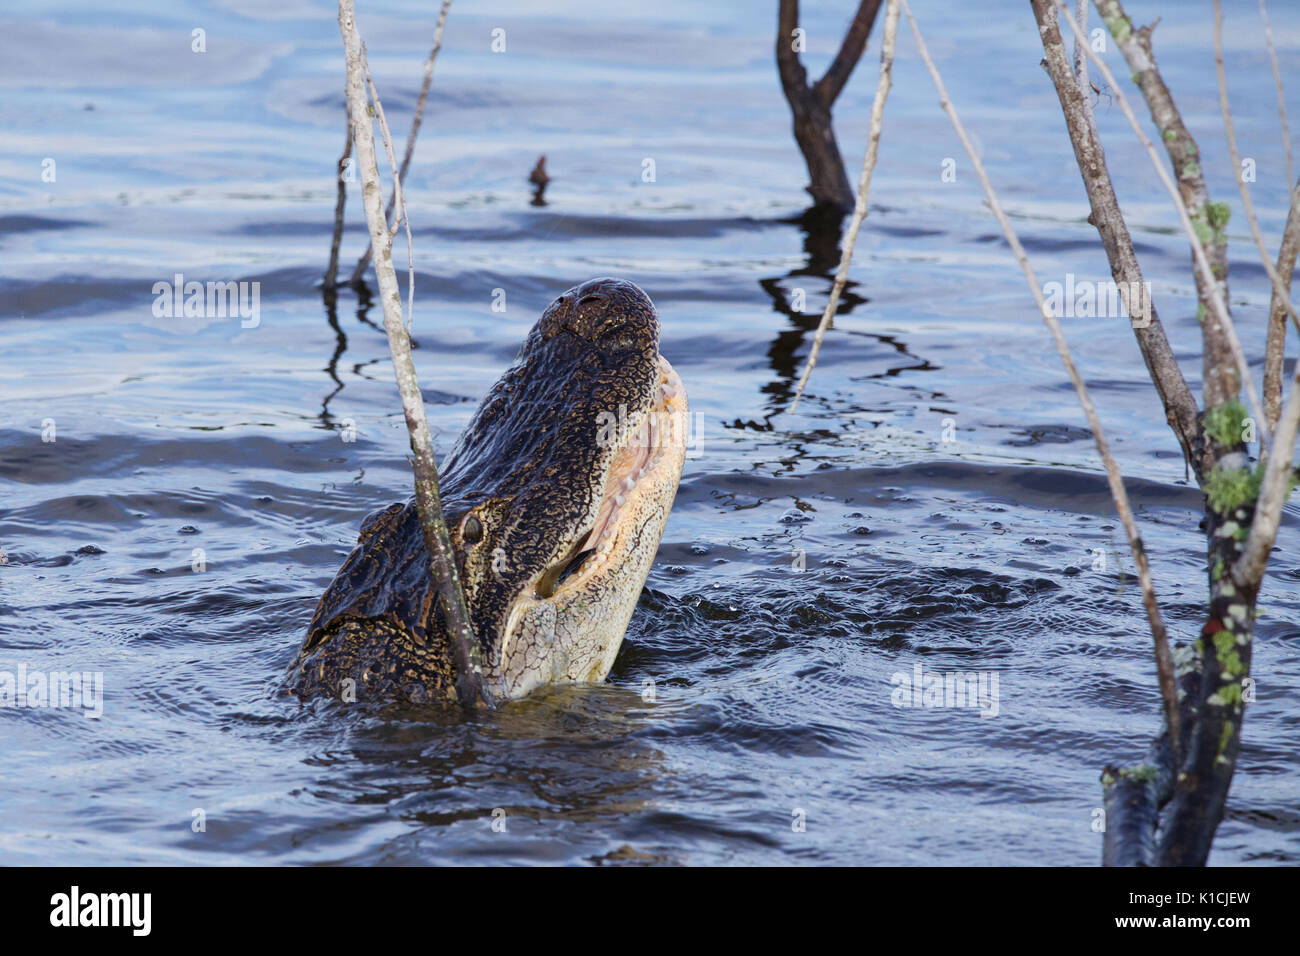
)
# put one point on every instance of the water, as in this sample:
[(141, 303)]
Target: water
[(772, 688)]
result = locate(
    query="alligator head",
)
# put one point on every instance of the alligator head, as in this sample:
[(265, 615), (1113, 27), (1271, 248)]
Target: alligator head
[(556, 496)]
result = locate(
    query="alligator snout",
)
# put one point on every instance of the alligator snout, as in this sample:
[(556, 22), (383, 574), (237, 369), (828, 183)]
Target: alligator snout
[(599, 306)]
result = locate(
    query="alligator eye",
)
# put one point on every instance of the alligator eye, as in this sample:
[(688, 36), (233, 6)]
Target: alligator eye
[(472, 530), (590, 298)]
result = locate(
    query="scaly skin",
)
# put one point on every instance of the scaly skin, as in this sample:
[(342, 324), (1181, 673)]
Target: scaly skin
[(588, 405)]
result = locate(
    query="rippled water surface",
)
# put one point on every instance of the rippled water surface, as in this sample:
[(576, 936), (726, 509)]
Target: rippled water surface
[(772, 688)]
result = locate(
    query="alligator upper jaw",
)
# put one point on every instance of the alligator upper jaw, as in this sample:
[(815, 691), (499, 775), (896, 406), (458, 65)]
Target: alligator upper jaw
[(569, 625)]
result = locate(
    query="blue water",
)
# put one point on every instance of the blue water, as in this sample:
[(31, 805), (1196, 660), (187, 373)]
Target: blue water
[(771, 687)]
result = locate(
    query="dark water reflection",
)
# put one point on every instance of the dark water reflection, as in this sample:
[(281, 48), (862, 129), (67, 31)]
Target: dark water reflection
[(935, 501)]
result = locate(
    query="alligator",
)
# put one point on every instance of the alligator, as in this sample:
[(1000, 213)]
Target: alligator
[(555, 495)]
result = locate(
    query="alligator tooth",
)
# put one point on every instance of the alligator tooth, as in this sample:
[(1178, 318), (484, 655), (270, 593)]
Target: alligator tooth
[(628, 484), (618, 500)]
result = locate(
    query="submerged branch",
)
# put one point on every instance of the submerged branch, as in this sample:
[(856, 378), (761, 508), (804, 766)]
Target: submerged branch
[(864, 188), (810, 106), (1135, 795), (332, 270)]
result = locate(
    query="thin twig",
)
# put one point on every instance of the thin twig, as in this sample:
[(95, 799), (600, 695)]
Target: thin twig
[(1275, 349), (416, 120), (1275, 346), (332, 270), (1281, 287), (1081, 78), (1164, 663), (1211, 285), (397, 197), (1277, 81), (1274, 489), (1081, 59), (464, 647), (864, 187)]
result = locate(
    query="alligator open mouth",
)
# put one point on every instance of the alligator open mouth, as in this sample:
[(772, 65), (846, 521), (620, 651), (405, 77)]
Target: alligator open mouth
[(645, 461)]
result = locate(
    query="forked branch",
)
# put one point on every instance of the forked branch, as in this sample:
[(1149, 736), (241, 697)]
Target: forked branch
[(810, 106), (864, 188)]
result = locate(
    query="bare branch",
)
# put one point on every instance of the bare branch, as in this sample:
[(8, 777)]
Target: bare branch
[(1072, 90), (810, 108), (1275, 348), (1222, 349), (1164, 663), (464, 646), (332, 270), (1274, 489), (1281, 287), (1277, 81), (397, 193), (855, 41), (864, 188), (416, 120)]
